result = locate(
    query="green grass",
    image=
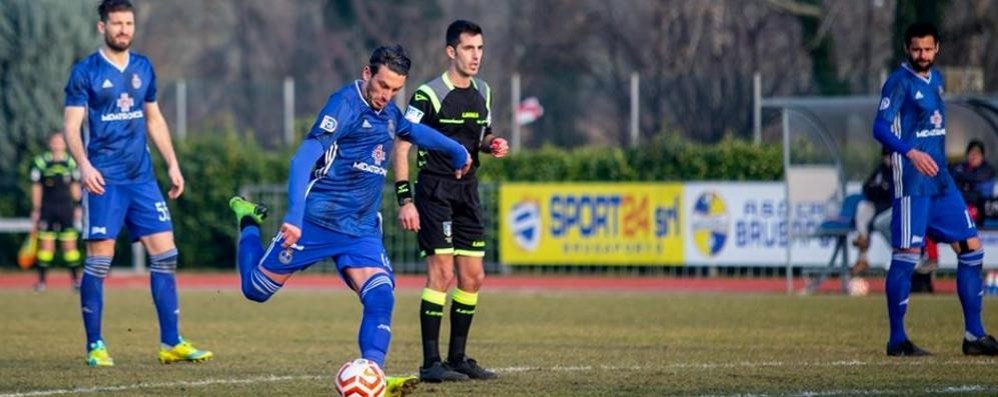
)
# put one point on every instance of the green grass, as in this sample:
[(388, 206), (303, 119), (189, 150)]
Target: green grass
[(545, 344)]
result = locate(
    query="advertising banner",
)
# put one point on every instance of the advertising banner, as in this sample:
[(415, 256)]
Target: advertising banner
[(734, 223), (673, 224), (591, 224)]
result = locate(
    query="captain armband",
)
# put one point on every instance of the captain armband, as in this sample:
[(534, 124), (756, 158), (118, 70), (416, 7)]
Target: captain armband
[(403, 192)]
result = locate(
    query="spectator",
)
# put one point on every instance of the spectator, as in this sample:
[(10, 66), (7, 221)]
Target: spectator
[(975, 178), (878, 196)]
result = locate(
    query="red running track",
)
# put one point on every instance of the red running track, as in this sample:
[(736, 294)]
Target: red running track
[(59, 279)]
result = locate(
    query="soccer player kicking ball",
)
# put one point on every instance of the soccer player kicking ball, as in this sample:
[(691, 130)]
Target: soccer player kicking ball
[(334, 195), (116, 90), (911, 122), (446, 213)]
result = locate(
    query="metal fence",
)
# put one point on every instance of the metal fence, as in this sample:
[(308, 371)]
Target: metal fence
[(268, 110)]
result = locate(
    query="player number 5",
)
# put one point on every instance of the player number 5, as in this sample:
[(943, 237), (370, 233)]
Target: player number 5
[(164, 211)]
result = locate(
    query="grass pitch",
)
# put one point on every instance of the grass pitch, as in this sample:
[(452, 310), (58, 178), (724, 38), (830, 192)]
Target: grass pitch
[(543, 344)]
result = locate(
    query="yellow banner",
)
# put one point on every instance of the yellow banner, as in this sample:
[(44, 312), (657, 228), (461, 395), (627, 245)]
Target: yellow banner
[(591, 224)]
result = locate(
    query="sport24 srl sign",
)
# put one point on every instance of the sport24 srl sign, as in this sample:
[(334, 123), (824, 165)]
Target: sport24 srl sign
[(598, 223)]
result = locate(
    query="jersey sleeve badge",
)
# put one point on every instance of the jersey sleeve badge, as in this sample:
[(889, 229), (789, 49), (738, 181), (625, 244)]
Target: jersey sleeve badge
[(885, 103), (413, 114), (328, 124)]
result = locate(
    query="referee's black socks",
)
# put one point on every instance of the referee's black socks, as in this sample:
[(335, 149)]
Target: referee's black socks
[(431, 313), (462, 310)]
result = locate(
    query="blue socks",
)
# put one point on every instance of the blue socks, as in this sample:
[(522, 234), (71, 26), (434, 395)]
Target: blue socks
[(970, 288), (898, 286), (256, 286), (95, 268), (378, 298), (250, 251), (163, 285)]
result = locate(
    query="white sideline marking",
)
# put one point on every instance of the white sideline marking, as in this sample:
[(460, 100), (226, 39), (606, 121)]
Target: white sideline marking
[(747, 364), (977, 389), (585, 368), (161, 385)]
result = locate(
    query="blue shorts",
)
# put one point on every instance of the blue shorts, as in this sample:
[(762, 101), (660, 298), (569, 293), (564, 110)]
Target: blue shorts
[(318, 243), (943, 217), (139, 206)]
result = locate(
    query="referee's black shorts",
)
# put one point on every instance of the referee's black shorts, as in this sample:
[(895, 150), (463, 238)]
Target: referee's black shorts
[(56, 218), (450, 216)]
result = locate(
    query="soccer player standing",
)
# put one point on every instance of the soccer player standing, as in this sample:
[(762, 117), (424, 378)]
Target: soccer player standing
[(55, 193), (116, 90), (911, 122), (447, 213), (334, 197)]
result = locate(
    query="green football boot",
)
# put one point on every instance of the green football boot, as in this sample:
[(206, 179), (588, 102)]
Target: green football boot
[(245, 208)]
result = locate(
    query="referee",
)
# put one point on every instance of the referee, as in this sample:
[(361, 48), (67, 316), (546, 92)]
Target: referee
[(55, 193), (446, 212)]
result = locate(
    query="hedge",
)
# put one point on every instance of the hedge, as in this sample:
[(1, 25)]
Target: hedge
[(664, 158)]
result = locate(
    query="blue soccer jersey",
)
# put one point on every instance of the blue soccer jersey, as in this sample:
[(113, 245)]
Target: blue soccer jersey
[(114, 99), (345, 191), (913, 107)]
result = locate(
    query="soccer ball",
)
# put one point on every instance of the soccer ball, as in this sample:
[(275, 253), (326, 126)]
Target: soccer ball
[(858, 287), (360, 378)]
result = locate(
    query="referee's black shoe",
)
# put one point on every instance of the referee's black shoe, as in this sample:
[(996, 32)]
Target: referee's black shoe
[(440, 372), (470, 367), (983, 346), (906, 349)]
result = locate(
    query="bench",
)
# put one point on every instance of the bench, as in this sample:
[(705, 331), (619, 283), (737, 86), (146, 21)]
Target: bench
[(837, 227)]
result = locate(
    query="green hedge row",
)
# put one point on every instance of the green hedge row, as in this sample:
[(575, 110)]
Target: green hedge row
[(664, 158), (216, 166)]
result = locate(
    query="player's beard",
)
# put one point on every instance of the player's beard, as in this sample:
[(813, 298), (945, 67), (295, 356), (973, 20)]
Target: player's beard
[(110, 41), (369, 94), (919, 68)]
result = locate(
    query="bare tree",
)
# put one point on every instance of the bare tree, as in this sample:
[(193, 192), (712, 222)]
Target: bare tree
[(696, 60)]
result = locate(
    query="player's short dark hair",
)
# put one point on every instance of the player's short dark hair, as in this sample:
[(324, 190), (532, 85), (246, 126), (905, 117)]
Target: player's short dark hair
[(106, 7), (459, 27), (393, 57), (975, 144), (920, 29)]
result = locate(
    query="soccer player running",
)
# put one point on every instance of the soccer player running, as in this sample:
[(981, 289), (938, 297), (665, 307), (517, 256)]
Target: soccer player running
[(446, 213), (911, 122), (334, 198), (55, 193), (116, 90)]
